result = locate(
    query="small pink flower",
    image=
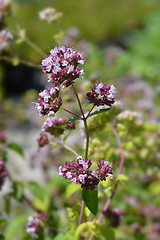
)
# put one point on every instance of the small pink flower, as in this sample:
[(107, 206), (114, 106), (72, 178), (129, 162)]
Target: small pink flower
[(62, 66), (80, 172), (49, 102), (34, 224), (43, 140), (102, 94)]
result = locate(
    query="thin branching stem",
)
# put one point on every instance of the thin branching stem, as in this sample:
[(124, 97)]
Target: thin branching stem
[(80, 106), (72, 113), (70, 149), (89, 112)]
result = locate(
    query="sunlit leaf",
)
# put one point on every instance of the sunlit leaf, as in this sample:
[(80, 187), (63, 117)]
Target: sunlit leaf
[(36, 189), (72, 188)]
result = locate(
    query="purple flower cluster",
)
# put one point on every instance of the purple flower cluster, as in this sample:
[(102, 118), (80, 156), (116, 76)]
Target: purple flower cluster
[(42, 140), (62, 66), (53, 126), (49, 102), (34, 223), (79, 172), (3, 172), (102, 94)]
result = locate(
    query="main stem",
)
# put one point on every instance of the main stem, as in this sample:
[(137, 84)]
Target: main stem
[(86, 149)]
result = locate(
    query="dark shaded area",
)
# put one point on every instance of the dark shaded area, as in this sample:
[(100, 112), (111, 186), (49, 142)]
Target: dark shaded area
[(20, 78)]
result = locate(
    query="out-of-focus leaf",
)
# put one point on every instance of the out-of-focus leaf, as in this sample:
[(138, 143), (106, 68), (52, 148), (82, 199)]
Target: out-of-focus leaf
[(90, 198), (14, 226), (15, 147), (99, 111), (122, 178), (154, 188), (65, 236), (57, 145), (71, 188), (107, 232), (17, 190), (36, 189), (3, 222), (40, 204), (65, 137), (4, 155), (2, 237), (7, 203)]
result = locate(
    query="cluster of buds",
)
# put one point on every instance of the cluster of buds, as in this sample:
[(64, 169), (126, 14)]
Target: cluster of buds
[(53, 126), (62, 66), (3, 172), (49, 102), (80, 172), (34, 225), (49, 14), (42, 140), (4, 37), (102, 94)]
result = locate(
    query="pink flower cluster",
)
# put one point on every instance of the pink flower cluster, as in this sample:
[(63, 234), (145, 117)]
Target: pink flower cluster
[(52, 125), (102, 94), (34, 223), (49, 102), (79, 172), (42, 140), (3, 172), (62, 66)]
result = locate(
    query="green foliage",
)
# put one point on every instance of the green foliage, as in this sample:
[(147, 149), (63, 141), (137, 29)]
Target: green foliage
[(90, 198), (15, 147)]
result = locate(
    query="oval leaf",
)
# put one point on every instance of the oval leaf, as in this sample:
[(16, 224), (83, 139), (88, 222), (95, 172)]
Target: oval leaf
[(90, 198)]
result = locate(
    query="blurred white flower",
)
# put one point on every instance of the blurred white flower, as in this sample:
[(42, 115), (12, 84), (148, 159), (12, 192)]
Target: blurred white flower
[(50, 14), (4, 36)]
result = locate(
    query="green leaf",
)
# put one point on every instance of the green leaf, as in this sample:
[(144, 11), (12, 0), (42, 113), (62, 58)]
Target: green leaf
[(2, 237), (70, 121), (57, 145), (7, 203), (65, 236), (15, 227), (37, 190), (4, 155), (3, 222), (17, 190), (15, 147), (99, 111), (72, 188), (65, 137), (122, 178), (107, 232), (90, 198)]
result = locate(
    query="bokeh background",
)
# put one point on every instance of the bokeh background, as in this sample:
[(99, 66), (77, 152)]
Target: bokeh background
[(121, 44)]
